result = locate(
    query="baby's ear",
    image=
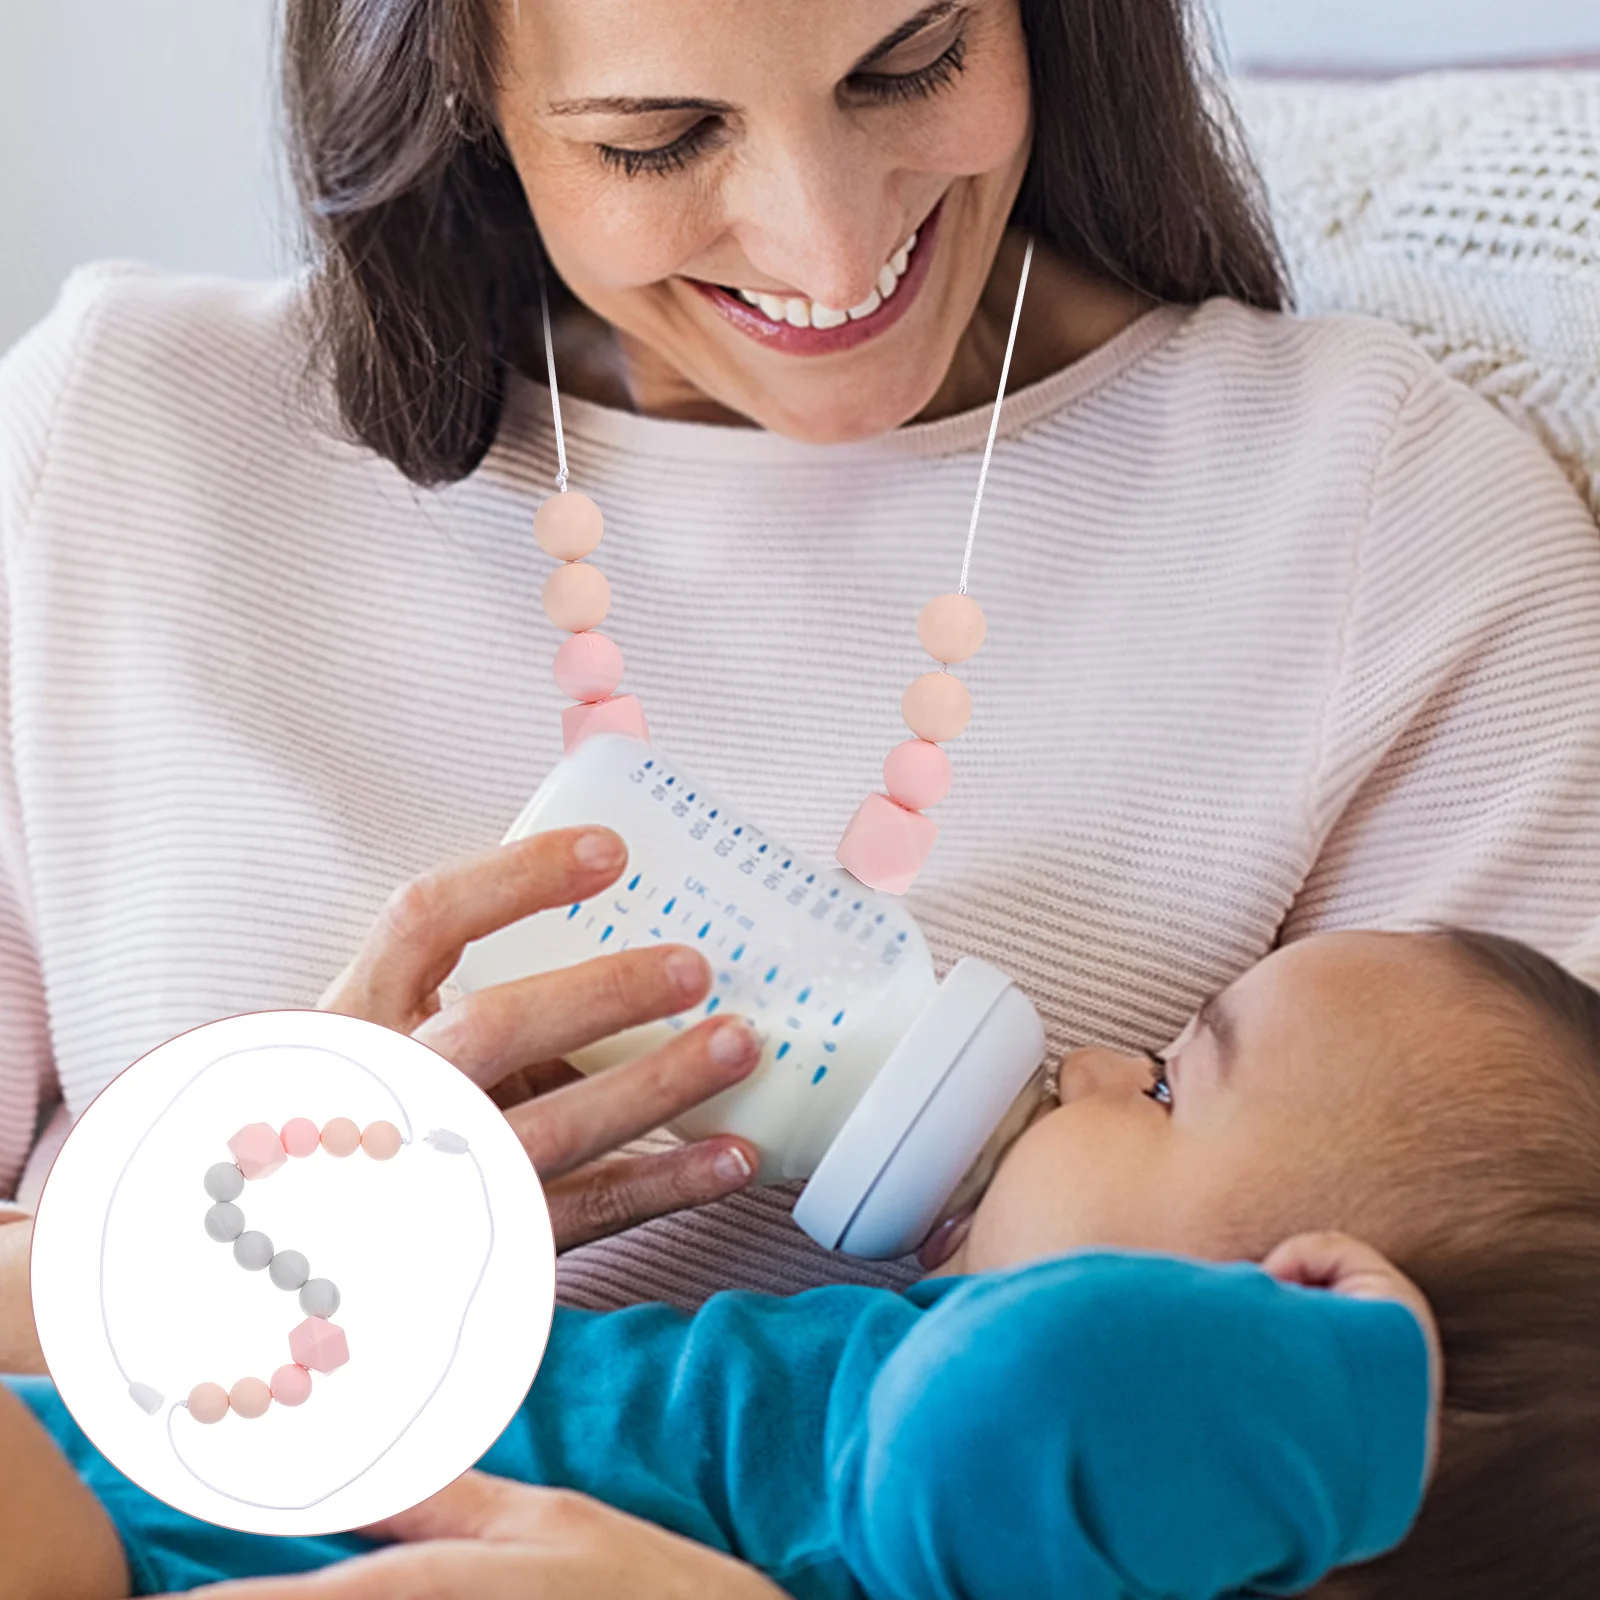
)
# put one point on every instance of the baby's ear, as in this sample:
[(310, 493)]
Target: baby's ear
[(1336, 1262)]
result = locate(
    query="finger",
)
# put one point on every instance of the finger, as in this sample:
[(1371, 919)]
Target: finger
[(528, 1083), (470, 1507), (569, 1127), (427, 922), (605, 1197), (502, 1028), (445, 1570)]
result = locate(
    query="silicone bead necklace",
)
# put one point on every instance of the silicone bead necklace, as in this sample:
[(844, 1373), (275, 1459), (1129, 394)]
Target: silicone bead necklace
[(889, 838), (316, 1344)]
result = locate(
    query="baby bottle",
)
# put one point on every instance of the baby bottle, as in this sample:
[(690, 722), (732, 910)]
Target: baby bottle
[(892, 1093)]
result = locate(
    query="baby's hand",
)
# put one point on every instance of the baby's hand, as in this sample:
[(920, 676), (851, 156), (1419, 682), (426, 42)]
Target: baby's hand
[(1342, 1265)]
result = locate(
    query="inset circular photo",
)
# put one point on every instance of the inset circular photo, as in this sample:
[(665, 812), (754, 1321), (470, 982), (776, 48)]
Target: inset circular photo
[(292, 1272)]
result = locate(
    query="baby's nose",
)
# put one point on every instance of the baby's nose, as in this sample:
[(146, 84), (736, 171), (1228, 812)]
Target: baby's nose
[(1098, 1070)]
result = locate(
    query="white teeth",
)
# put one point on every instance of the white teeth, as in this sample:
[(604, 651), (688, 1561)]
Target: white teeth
[(801, 313)]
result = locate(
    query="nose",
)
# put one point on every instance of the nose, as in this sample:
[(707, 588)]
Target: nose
[(1098, 1070), (816, 217)]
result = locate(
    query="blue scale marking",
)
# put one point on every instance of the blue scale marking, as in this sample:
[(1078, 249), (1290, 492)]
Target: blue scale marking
[(713, 1003), (737, 953), (704, 930), (574, 911), (783, 1049), (634, 882), (666, 910), (611, 928), (819, 1074), (839, 1017), (804, 995), (771, 975)]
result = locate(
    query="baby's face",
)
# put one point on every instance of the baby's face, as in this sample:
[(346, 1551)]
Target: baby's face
[(1289, 1095)]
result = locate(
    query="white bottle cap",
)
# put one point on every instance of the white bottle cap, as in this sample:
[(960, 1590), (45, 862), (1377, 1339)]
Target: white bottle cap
[(926, 1117)]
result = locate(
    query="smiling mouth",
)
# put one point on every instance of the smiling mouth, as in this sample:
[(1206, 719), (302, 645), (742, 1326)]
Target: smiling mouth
[(798, 326), (798, 312)]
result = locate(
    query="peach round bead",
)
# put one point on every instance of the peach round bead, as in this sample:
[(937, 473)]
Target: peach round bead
[(917, 774), (381, 1140), (577, 597), (340, 1136), (568, 526), (300, 1136), (952, 628), (250, 1397), (937, 707), (208, 1402), (588, 667), (291, 1385)]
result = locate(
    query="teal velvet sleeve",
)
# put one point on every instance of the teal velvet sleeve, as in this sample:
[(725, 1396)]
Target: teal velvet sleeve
[(1096, 1426)]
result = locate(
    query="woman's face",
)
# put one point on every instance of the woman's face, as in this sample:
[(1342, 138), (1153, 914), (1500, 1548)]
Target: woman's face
[(685, 157)]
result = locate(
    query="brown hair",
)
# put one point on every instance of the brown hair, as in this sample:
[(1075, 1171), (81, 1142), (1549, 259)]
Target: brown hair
[(427, 261), (1512, 1270)]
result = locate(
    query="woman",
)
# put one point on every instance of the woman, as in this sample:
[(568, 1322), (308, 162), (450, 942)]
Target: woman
[(1285, 632)]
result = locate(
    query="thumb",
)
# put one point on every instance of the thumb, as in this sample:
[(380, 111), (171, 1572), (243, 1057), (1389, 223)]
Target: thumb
[(475, 1506)]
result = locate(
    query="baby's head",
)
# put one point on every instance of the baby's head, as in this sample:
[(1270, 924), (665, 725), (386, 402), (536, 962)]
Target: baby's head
[(1437, 1095)]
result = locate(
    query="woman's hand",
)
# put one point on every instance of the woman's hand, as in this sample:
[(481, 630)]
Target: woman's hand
[(1342, 1265), (510, 1038), (491, 1539)]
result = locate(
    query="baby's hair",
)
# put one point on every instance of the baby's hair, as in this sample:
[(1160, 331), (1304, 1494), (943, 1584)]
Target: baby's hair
[(1511, 1266)]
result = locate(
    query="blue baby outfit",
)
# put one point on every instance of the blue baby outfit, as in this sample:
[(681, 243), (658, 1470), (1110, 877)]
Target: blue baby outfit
[(1098, 1427)]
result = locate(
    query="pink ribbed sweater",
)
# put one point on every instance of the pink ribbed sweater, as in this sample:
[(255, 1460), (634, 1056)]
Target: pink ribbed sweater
[(1287, 632)]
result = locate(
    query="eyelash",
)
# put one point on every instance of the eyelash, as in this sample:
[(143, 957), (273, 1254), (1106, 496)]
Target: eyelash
[(674, 157), (1160, 1089)]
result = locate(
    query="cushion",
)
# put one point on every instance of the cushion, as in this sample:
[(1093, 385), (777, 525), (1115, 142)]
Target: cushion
[(1464, 206)]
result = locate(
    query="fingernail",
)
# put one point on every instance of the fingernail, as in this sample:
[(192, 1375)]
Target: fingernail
[(597, 849), (732, 1043), (686, 972), (733, 1166)]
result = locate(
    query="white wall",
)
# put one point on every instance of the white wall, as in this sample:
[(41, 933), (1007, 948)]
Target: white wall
[(146, 127), (134, 128)]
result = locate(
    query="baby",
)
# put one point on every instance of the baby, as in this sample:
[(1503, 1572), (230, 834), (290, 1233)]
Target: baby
[(1085, 1400)]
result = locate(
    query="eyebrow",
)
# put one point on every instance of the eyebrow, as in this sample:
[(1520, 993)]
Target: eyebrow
[(1215, 1016), (628, 105)]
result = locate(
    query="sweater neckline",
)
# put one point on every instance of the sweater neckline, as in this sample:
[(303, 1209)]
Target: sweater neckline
[(528, 411)]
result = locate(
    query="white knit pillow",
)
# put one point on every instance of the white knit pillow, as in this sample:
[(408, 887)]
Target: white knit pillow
[(1464, 206)]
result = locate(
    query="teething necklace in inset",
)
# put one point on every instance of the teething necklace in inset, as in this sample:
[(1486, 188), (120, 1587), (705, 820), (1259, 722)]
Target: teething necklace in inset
[(889, 839), (316, 1344)]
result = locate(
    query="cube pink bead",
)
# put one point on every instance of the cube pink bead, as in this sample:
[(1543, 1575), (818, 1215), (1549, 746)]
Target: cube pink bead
[(620, 714), (318, 1344), (300, 1137), (257, 1150), (885, 845)]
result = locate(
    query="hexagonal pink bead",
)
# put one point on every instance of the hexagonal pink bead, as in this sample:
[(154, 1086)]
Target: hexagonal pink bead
[(258, 1150), (319, 1345), (885, 845)]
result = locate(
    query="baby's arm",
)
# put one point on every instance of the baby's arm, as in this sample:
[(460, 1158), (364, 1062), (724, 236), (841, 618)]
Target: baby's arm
[(56, 1541), (1105, 1426)]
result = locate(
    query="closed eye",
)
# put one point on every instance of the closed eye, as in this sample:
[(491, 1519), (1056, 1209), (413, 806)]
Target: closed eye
[(1160, 1089)]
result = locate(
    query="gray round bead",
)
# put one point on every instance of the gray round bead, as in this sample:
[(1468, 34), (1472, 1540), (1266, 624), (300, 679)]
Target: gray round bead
[(252, 1250), (224, 1181), (319, 1298), (289, 1269), (224, 1222)]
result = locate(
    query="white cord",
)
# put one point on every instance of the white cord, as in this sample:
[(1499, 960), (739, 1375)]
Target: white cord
[(555, 394), (994, 421)]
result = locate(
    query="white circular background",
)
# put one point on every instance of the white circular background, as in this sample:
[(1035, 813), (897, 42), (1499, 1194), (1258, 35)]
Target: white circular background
[(404, 1240)]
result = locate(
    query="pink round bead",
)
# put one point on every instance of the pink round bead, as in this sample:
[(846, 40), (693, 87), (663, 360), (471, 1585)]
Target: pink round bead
[(588, 667), (577, 597), (291, 1385), (568, 526), (340, 1136), (381, 1140), (300, 1136), (917, 774), (952, 628), (208, 1402), (250, 1397), (937, 707)]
